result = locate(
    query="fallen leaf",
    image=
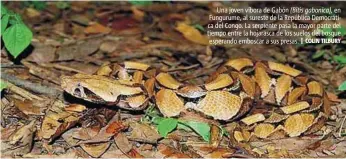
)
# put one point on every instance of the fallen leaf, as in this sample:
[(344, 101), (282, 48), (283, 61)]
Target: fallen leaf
[(20, 141), (97, 28), (192, 34), (95, 149), (143, 133), (57, 121)]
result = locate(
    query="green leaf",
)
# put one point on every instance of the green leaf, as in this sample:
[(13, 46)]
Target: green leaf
[(157, 119), (200, 128), (340, 59), (3, 85), (183, 127), (40, 5), (62, 5), (17, 38), (140, 3), (199, 27), (4, 23), (15, 19), (342, 87), (166, 126), (4, 10), (318, 54), (342, 30)]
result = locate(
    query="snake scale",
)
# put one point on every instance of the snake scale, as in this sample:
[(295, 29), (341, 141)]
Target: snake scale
[(290, 102)]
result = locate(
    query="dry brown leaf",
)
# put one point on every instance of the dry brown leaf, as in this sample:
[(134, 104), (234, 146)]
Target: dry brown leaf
[(97, 28), (143, 133), (95, 149), (239, 64), (57, 120), (115, 127), (85, 133), (192, 34), (123, 143), (20, 142), (28, 107), (332, 97), (136, 65), (137, 14)]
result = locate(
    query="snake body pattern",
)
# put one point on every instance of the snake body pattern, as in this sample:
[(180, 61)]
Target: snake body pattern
[(291, 102)]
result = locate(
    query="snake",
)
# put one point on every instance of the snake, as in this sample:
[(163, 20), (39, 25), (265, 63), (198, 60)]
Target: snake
[(266, 97)]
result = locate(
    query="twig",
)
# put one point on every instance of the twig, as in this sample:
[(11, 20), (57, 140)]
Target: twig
[(61, 67), (35, 87), (42, 72), (21, 91), (11, 65)]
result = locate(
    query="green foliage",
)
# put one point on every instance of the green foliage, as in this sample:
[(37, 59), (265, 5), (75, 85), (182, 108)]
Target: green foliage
[(342, 87), (140, 3), (63, 4), (4, 23), (39, 5), (202, 129), (342, 30), (3, 85), (4, 10), (166, 126), (318, 54), (15, 34), (17, 38), (340, 59), (199, 27), (343, 134)]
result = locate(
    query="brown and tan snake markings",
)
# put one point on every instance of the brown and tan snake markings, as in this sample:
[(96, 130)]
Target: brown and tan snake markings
[(293, 103)]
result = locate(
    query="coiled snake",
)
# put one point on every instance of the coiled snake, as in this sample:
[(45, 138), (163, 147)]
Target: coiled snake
[(293, 103)]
